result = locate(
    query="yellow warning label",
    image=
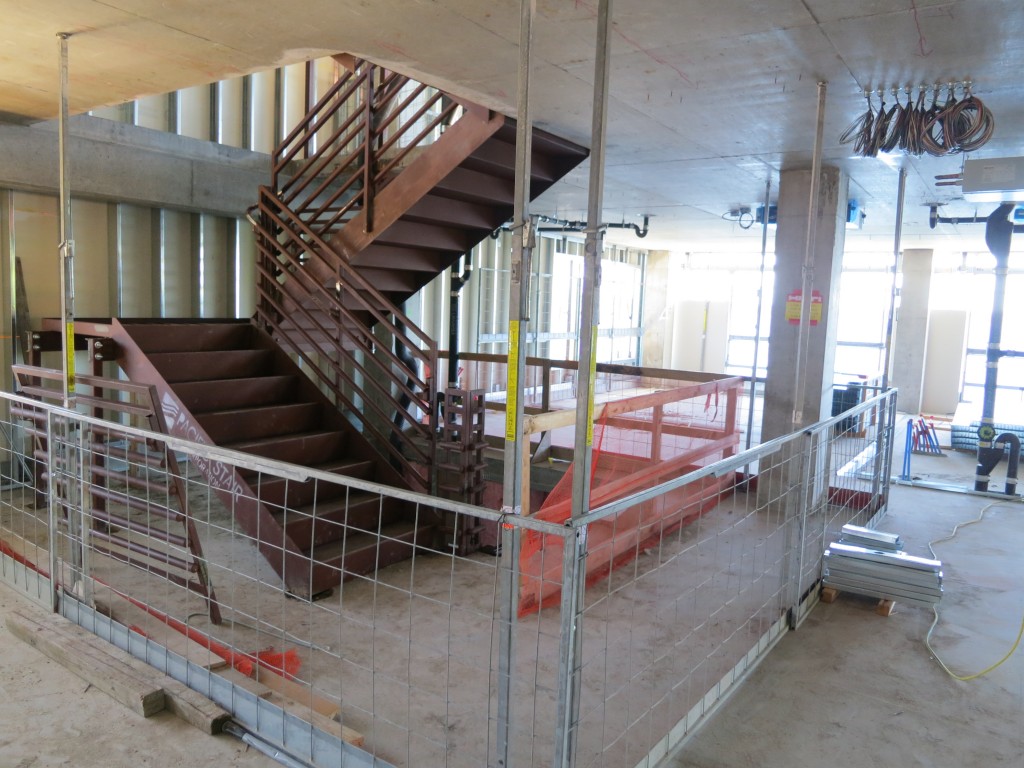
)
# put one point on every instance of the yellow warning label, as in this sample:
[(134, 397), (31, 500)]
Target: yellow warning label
[(512, 391), (590, 389), (794, 302), (70, 362)]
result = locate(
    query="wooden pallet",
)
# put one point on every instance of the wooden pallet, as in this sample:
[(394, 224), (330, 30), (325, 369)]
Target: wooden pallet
[(884, 608)]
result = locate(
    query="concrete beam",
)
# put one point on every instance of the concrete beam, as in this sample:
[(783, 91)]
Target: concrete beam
[(125, 163)]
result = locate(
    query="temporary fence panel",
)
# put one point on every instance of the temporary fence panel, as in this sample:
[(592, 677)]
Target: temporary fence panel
[(639, 442), (424, 661), (666, 637), (849, 459)]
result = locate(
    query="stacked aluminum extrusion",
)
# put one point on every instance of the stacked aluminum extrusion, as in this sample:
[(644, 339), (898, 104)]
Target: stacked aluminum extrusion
[(873, 563)]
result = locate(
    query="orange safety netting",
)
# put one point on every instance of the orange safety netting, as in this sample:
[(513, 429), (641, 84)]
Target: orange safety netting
[(635, 448)]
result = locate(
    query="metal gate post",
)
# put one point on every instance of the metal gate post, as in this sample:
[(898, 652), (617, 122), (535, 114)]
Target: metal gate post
[(803, 502), (67, 242), (890, 436), (570, 646), (508, 595), (518, 312), (52, 507), (77, 505)]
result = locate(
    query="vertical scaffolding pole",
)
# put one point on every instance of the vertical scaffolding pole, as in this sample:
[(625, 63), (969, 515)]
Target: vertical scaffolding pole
[(67, 243), (879, 488), (573, 585), (760, 304), (890, 324), (519, 309), (804, 333)]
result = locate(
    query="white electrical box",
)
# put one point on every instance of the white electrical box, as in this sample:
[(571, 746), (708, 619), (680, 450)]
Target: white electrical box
[(995, 180)]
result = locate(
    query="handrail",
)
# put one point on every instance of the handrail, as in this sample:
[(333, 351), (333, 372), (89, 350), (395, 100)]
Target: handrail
[(381, 307), (360, 155), (726, 465), (288, 246), (328, 170)]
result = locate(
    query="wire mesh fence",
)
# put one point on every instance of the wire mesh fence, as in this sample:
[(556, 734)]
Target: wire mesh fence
[(420, 656)]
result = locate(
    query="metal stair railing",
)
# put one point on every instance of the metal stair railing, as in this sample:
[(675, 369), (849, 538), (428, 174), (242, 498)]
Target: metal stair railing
[(376, 120), (322, 325)]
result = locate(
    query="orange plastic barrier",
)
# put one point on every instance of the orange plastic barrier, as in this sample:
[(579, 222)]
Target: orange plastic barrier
[(636, 446)]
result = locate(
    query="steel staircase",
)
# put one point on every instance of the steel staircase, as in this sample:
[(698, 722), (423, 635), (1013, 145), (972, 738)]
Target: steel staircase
[(229, 384), (384, 184)]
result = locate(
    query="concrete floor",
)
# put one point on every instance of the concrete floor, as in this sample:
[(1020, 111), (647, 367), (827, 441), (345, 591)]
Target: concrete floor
[(51, 717), (849, 688)]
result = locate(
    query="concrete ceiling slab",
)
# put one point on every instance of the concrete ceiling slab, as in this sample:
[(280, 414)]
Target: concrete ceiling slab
[(708, 99)]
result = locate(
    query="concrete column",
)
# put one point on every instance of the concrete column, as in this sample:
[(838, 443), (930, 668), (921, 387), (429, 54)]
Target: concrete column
[(790, 239), (656, 330), (910, 340)]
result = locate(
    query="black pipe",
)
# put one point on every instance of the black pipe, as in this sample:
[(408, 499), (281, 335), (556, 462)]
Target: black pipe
[(1013, 462), (934, 218), (998, 234), (458, 282), (565, 225), (989, 458)]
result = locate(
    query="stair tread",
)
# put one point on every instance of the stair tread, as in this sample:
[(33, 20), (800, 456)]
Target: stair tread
[(282, 378), (213, 395), (334, 466), (324, 507), (256, 409), (404, 532), (248, 445)]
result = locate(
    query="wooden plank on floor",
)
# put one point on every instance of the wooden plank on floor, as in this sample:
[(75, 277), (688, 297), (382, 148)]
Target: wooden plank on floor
[(159, 632), (192, 707), (132, 682), (98, 663), (245, 683), (303, 701), (326, 724)]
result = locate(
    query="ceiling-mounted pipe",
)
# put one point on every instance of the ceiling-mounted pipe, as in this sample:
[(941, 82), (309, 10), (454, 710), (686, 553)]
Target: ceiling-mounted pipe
[(567, 225), (934, 218)]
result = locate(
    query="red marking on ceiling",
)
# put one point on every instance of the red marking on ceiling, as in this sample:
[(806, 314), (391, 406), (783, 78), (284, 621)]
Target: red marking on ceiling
[(922, 41), (637, 46), (390, 47)]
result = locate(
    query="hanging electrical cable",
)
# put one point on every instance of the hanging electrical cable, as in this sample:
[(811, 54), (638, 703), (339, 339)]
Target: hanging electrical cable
[(742, 216), (958, 125)]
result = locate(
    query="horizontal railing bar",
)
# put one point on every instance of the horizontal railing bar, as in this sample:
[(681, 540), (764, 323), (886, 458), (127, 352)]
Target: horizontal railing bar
[(299, 473), (354, 277), (718, 469), (572, 365), (285, 335), (302, 275)]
